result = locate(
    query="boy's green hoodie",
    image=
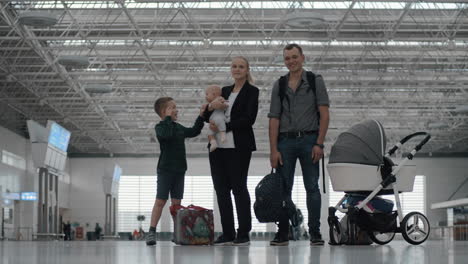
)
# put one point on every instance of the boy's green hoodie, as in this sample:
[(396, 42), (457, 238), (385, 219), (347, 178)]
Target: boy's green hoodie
[(171, 136)]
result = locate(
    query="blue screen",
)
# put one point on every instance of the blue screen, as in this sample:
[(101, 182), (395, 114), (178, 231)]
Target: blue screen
[(117, 173), (59, 137), (29, 196)]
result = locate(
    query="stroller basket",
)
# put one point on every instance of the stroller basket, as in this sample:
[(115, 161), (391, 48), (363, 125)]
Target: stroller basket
[(380, 222)]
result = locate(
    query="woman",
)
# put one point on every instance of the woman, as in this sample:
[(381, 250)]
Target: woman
[(230, 161)]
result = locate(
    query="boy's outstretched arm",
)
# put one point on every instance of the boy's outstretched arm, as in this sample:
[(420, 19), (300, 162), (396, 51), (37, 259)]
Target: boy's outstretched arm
[(195, 130)]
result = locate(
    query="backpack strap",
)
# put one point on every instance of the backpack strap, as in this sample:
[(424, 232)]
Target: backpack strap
[(283, 84), (323, 174), (311, 80)]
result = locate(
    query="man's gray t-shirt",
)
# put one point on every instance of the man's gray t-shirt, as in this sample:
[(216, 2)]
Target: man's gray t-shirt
[(301, 113)]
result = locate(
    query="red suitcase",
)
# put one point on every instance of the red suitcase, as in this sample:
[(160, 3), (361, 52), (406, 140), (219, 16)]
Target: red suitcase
[(193, 225)]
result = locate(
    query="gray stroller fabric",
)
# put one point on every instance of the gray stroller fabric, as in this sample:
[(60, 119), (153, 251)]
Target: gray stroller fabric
[(364, 143)]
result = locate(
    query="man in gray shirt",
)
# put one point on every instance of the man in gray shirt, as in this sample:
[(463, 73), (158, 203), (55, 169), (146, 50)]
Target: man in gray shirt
[(299, 121)]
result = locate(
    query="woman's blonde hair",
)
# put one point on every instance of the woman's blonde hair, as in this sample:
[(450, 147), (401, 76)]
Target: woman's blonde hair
[(249, 75)]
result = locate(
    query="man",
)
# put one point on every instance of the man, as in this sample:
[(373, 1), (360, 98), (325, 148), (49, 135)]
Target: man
[(298, 124), (97, 232)]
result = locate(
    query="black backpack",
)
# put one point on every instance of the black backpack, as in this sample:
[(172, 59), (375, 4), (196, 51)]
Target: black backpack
[(270, 200)]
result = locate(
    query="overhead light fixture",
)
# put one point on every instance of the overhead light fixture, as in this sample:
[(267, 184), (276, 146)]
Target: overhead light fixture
[(437, 125), (451, 45), (98, 88), (37, 19), (304, 19), (115, 108), (74, 61), (462, 109)]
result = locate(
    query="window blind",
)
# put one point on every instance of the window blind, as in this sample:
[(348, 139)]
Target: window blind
[(13, 160), (137, 195)]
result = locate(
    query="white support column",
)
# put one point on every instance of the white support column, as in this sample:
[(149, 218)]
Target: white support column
[(108, 217), (47, 205)]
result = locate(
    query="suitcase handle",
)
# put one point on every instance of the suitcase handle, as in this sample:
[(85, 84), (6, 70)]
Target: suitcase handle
[(198, 208), (174, 208)]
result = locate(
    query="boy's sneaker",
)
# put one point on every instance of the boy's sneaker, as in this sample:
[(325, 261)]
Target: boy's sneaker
[(223, 241), (150, 238), (316, 239), (280, 240), (242, 239)]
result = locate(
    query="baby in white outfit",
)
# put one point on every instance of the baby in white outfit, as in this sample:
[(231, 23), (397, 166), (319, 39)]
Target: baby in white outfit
[(212, 92)]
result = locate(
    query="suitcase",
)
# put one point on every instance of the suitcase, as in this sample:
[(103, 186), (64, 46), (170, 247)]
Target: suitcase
[(193, 225)]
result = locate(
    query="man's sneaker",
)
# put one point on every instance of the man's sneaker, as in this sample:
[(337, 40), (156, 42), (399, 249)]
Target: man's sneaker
[(280, 240), (242, 239), (150, 238), (316, 240), (223, 241)]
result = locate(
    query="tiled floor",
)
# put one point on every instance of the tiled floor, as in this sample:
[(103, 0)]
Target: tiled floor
[(126, 252)]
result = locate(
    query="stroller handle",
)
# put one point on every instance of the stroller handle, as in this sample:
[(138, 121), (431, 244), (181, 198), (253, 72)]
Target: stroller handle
[(405, 139)]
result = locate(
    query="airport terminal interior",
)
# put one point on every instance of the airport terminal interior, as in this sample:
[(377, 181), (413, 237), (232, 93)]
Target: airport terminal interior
[(79, 150)]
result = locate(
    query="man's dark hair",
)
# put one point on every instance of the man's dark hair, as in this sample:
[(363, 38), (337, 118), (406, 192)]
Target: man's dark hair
[(292, 46), (161, 104)]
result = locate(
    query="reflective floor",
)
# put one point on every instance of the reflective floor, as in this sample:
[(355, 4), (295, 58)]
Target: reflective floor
[(126, 252)]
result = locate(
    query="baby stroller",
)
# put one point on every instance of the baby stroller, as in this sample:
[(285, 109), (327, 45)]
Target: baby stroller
[(358, 165)]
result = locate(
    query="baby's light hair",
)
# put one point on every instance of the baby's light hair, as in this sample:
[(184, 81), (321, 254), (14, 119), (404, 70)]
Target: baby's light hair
[(214, 88)]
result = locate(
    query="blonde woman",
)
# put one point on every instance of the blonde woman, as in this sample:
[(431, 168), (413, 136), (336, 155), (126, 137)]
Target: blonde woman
[(230, 162)]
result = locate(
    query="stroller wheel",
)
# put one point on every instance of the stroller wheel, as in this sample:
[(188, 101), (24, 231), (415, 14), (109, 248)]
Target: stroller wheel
[(415, 228), (381, 238), (335, 232)]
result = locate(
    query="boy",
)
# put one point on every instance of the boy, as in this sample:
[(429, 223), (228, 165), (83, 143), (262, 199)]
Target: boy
[(211, 93), (172, 162)]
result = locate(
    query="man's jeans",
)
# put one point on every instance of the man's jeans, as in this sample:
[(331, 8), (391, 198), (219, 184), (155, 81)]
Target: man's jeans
[(300, 148)]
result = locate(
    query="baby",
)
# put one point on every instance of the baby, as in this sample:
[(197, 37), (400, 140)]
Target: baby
[(211, 93)]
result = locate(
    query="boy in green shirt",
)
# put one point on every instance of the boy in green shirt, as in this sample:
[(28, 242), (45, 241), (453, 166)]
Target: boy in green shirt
[(172, 162)]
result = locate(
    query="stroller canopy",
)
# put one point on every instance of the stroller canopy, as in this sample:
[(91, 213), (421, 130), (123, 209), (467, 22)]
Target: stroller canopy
[(364, 143)]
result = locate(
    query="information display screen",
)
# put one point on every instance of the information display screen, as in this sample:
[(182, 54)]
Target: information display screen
[(29, 196), (117, 173), (59, 137), (116, 179)]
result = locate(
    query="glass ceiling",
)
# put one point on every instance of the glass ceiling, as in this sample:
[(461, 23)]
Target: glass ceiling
[(244, 4), (121, 42)]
